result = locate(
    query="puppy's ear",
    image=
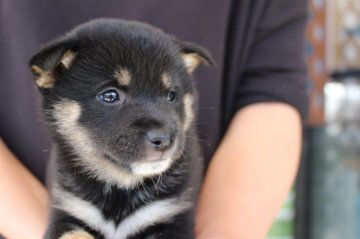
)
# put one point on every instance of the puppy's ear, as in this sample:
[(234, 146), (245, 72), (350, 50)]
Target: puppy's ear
[(193, 55), (51, 60)]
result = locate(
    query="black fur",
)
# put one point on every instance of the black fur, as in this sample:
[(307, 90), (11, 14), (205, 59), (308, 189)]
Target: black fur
[(118, 130)]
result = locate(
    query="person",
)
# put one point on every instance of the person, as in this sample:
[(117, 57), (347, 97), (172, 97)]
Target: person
[(251, 106)]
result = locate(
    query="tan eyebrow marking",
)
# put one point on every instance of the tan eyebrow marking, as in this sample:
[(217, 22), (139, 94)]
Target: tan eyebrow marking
[(166, 79), (123, 76)]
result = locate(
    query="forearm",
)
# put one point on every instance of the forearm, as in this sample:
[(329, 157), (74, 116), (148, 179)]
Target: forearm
[(251, 173), (23, 200)]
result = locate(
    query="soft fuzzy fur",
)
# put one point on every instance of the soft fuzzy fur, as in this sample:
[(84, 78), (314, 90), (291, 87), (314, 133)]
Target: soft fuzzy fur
[(110, 180)]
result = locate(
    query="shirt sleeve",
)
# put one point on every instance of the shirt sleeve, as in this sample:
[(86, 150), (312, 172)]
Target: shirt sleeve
[(275, 69)]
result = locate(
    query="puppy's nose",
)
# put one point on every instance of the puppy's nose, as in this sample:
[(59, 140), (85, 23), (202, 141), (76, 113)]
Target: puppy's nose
[(160, 139)]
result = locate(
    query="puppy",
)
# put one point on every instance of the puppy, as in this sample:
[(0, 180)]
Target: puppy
[(120, 102)]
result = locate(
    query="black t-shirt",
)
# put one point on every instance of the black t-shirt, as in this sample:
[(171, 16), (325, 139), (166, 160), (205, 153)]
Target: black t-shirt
[(257, 45)]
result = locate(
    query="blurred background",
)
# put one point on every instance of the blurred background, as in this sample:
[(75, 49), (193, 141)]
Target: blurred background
[(325, 204)]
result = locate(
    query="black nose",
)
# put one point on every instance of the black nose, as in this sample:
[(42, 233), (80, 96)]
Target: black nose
[(160, 139)]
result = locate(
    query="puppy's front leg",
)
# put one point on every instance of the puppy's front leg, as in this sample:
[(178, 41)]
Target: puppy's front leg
[(77, 234), (64, 226)]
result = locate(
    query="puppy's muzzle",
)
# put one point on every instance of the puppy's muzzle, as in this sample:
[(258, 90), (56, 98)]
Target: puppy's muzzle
[(160, 139)]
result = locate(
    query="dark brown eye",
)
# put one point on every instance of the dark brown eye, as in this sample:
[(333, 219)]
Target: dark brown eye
[(171, 95), (109, 96)]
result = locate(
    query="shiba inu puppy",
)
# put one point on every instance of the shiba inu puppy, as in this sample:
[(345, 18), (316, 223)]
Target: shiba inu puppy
[(120, 102)]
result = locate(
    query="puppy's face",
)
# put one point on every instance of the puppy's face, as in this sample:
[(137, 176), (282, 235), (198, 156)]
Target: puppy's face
[(120, 92)]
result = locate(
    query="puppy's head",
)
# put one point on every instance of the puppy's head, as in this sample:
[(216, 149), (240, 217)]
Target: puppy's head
[(120, 93)]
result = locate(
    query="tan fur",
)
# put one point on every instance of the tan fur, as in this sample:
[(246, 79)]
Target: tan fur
[(189, 115), (67, 114), (78, 234), (123, 76), (166, 79), (68, 58), (191, 61), (43, 79)]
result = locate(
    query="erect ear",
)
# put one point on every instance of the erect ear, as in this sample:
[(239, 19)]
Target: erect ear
[(193, 55), (50, 60)]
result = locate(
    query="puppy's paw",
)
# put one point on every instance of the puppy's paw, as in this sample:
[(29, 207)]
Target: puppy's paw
[(78, 234)]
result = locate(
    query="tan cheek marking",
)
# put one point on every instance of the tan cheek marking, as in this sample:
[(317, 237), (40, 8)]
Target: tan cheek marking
[(68, 58), (67, 114), (191, 61), (43, 79), (78, 234), (123, 76), (166, 79), (189, 114)]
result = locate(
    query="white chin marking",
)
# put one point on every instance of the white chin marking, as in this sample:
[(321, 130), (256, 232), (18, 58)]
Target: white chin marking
[(151, 168)]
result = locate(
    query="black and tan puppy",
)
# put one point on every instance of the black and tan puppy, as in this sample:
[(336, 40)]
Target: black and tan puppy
[(120, 102)]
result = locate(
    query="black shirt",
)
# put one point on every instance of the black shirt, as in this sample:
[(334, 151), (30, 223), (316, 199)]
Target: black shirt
[(257, 44)]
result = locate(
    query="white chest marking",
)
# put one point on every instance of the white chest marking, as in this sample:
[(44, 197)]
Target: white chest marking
[(155, 212)]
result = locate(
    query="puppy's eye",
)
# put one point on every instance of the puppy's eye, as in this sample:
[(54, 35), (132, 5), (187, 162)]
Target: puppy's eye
[(171, 96), (109, 96)]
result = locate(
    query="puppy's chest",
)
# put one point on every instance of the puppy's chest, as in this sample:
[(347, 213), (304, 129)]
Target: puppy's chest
[(116, 204), (121, 221)]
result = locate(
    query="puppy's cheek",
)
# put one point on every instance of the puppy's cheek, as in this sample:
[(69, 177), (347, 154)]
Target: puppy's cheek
[(67, 114), (188, 102)]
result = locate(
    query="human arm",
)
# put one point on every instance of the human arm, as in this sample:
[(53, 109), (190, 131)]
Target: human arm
[(250, 173), (24, 200), (256, 162)]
